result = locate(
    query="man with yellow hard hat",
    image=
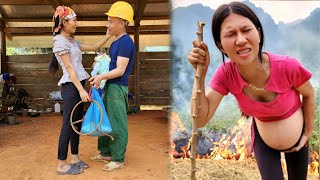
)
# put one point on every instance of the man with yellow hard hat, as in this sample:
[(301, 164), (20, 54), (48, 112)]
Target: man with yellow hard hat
[(122, 52)]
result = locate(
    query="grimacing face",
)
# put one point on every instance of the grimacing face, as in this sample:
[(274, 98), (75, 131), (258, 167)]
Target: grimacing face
[(239, 39)]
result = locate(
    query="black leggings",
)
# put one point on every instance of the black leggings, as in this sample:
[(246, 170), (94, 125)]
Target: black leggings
[(268, 160), (71, 97)]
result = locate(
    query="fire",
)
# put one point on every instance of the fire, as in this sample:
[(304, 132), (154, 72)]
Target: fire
[(313, 167), (177, 126), (235, 145), (239, 141)]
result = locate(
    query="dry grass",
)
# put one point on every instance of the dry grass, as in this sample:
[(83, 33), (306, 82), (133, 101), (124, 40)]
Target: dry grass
[(215, 169), (153, 107), (218, 169)]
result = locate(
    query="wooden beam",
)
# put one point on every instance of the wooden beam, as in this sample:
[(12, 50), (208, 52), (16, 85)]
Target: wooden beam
[(3, 48), (158, 1), (71, 2), (44, 19), (162, 17), (23, 2), (67, 2), (155, 55), (146, 29), (79, 18), (55, 3), (140, 11), (93, 33)]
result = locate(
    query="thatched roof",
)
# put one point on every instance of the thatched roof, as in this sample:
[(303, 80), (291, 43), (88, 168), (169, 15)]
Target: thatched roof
[(28, 23)]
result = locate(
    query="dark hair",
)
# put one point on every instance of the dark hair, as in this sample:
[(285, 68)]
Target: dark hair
[(54, 65), (224, 11)]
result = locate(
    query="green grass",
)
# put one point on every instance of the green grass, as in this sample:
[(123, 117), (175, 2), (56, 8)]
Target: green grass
[(314, 140)]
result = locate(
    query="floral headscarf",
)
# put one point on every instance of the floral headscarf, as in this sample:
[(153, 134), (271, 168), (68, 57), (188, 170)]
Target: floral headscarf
[(62, 12)]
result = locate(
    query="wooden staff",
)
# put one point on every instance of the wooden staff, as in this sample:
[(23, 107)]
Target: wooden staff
[(196, 106)]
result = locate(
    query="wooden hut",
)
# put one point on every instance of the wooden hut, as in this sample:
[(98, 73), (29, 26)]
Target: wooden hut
[(28, 24)]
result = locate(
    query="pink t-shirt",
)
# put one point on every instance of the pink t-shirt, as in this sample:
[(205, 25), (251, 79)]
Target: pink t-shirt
[(286, 74)]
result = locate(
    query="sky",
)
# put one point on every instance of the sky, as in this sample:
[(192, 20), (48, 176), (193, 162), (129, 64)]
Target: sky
[(285, 11)]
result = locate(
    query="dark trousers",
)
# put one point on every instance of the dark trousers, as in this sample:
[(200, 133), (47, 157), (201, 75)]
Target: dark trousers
[(268, 160), (71, 97)]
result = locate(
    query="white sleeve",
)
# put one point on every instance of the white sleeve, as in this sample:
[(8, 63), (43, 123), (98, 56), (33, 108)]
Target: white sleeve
[(1, 79)]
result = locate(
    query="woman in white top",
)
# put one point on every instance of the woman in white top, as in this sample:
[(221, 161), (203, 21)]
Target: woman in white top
[(67, 53)]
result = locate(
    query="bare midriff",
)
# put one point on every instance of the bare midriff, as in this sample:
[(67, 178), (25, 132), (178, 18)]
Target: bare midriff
[(282, 134)]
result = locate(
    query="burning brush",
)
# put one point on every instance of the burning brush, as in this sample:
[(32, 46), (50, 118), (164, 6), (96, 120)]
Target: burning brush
[(228, 145), (313, 167)]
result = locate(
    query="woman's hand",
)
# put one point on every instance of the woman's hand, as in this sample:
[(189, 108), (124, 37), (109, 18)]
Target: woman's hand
[(94, 63), (199, 54), (95, 81), (84, 96), (303, 142), (108, 35)]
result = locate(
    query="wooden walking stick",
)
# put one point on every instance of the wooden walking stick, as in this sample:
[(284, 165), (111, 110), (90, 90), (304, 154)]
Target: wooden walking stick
[(196, 106)]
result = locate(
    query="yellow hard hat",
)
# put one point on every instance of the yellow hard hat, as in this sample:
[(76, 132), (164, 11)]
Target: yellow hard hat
[(121, 10)]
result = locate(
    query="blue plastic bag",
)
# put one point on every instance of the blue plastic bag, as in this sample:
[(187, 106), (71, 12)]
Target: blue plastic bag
[(92, 117)]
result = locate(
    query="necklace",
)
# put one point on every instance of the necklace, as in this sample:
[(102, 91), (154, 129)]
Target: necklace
[(255, 88)]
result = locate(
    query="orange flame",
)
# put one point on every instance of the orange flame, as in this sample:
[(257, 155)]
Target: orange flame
[(313, 167)]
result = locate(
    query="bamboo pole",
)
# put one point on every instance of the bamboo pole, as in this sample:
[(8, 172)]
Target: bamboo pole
[(196, 106)]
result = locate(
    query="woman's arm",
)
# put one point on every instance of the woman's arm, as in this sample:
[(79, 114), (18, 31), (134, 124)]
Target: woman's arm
[(308, 108), (74, 77), (308, 100), (96, 45), (210, 101)]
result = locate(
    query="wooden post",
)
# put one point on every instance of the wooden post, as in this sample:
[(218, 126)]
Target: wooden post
[(136, 65), (139, 11), (196, 107), (4, 66)]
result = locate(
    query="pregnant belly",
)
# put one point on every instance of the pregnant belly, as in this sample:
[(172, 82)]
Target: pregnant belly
[(282, 134)]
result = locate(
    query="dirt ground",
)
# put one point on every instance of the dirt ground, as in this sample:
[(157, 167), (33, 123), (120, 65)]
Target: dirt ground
[(29, 150)]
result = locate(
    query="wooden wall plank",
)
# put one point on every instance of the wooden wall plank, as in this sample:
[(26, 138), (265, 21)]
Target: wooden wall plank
[(155, 101), (32, 75), (155, 55), (151, 56)]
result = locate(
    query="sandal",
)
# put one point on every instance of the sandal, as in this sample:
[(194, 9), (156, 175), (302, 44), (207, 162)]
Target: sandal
[(111, 166), (81, 165), (72, 171), (99, 158)]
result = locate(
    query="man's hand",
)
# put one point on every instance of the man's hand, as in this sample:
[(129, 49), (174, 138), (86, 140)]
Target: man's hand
[(95, 81)]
